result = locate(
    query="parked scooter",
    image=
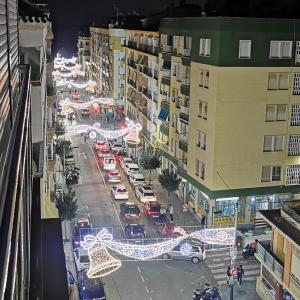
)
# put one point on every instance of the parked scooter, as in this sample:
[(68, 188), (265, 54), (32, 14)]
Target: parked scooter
[(206, 293), (249, 250), (72, 175)]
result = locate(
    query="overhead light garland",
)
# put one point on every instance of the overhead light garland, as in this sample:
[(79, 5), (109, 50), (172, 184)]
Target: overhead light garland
[(104, 101), (61, 83), (103, 263)]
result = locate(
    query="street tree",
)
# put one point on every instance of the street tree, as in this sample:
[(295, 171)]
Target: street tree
[(150, 160), (169, 181), (59, 128), (66, 203)]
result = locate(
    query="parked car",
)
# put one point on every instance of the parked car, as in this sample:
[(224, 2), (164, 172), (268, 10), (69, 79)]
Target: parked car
[(117, 146), (103, 151), (135, 231), (90, 288), (124, 161), (108, 163), (76, 95), (80, 226), (119, 192), (152, 209), (169, 230), (136, 179), (119, 155), (130, 211), (131, 168), (195, 256), (85, 112), (100, 144), (82, 260), (112, 176), (144, 193)]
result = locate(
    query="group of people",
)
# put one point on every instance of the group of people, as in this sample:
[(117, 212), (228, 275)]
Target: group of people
[(163, 213), (232, 271)]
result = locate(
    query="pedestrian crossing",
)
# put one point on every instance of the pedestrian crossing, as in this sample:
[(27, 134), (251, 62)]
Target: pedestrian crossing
[(218, 260)]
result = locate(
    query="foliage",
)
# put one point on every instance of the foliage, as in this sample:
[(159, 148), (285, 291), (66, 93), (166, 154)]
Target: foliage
[(66, 205), (150, 160), (59, 128), (60, 147), (169, 181)]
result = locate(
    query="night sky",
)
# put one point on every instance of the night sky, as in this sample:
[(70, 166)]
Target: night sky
[(71, 16)]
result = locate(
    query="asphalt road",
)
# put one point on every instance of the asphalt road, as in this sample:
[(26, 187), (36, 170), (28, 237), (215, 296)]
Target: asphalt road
[(157, 279)]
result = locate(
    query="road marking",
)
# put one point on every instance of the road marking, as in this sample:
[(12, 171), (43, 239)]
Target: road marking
[(142, 278), (110, 198), (139, 269), (146, 289)]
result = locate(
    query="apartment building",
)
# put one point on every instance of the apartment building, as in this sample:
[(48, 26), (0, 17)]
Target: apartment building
[(229, 112), (108, 61), (83, 52), (26, 237), (142, 80), (280, 257)]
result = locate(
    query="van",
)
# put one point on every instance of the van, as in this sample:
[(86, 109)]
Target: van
[(131, 168), (108, 163)]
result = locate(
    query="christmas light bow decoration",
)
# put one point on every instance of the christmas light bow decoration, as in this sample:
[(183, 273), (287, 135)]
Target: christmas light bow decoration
[(102, 262)]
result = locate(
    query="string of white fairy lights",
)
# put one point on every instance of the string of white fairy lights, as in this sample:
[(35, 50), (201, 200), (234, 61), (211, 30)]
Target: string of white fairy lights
[(68, 74), (95, 244), (71, 83), (104, 101)]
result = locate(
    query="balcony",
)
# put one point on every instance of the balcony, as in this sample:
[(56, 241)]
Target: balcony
[(182, 164), (150, 49), (131, 63), (185, 90), (166, 99), (183, 142), (163, 146), (154, 97), (184, 114), (186, 81), (269, 260), (131, 82), (186, 57), (146, 134), (132, 45), (164, 129), (166, 48), (146, 112)]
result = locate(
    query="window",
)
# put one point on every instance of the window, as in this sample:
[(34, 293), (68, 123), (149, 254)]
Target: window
[(201, 140), (295, 115), (270, 173), (296, 85), (281, 49), (297, 53), (294, 145), (202, 109), (245, 49), (200, 169), (204, 49), (204, 78), (292, 174), (276, 112), (278, 81), (273, 143)]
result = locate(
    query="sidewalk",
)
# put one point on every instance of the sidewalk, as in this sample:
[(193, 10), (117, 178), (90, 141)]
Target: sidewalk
[(180, 217), (245, 292)]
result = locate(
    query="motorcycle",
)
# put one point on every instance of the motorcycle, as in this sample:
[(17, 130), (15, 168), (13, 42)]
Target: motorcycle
[(206, 293), (248, 251)]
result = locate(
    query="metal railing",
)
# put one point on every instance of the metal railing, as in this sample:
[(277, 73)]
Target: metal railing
[(287, 208), (264, 253), (166, 48)]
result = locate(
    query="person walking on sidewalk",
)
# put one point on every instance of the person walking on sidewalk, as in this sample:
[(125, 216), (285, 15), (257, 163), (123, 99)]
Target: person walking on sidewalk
[(229, 276), (163, 213), (240, 274), (171, 212)]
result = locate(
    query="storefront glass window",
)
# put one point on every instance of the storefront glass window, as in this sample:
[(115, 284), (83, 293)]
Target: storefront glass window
[(227, 207)]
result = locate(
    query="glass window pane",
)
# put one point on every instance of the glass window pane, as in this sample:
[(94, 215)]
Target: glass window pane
[(275, 49), (272, 81), (268, 143), (245, 49), (265, 173), (270, 113), (276, 173), (279, 142), (283, 81), (281, 112), (286, 49)]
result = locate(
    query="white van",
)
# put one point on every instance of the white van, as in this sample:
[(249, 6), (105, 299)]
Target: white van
[(108, 163), (131, 168)]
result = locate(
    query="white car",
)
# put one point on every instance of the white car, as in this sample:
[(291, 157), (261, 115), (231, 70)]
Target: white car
[(145, 193), (136, 179), (82, 260), (119, 192), (124, 161), (131, 168), (117, 147)]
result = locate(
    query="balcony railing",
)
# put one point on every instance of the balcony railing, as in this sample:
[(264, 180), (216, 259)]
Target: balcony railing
[(131, 44), (166, 48), (131, 63), (186, 81), (131, 82), (265, 255), (187, 52), (146, 133), (149, 49), (166, 99), (166, 73)]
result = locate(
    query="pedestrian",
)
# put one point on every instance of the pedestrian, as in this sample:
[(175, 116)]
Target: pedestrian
[(203, 220), (163, 214), (240, 274), (171, 212), (229, 276)]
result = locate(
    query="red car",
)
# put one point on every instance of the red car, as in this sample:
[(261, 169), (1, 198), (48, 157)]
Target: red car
[(170, 230), (151, 209), (112, 176), (99, 145), (102, 152), (119, 155)]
